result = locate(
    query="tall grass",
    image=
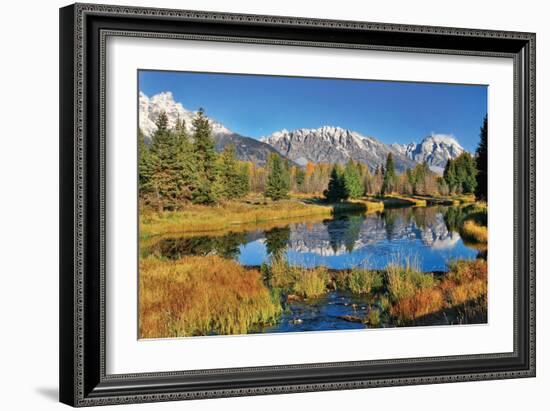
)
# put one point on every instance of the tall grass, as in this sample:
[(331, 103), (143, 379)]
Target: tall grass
[(201, 296), (299, 281), (466, 280), (464, 285), (403, 280), (363, 281)]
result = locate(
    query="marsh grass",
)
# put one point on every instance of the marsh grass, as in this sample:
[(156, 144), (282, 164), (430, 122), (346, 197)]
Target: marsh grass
[(363, 281), (474, 223), (202, 296), (405, 279), (472, 231), (299, 281), (196, 218), (463, 288), (397, 200), (373, 318)]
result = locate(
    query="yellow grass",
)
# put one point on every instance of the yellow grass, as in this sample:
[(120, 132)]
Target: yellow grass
[(474, 232), (466, 282), (404, 280), (211, 218), (201, 296), (148, 242), (370, 204), (397, 200), (299, 281)]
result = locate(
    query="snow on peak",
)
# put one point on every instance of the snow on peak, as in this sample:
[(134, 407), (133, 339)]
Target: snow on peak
[(447, 139), (151, 107)]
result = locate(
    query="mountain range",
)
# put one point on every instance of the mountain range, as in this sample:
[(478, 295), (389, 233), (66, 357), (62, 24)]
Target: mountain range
[(328, 144)]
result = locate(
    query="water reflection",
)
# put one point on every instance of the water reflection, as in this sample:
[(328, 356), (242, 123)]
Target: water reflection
[(427, 234)]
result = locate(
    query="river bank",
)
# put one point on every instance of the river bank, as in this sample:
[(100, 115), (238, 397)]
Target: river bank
[(256, 209)]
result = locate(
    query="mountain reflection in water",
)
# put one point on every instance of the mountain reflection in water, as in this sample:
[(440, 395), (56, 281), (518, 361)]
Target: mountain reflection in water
[(422, 234)]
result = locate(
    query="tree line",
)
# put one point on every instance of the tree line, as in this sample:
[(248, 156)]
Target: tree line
[(178, 167)]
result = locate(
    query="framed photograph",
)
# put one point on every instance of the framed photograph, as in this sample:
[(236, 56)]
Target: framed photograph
[(260, 204)]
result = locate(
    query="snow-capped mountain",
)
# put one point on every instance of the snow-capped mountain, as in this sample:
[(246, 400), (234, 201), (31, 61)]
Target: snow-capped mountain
[(334, 145), (325, 144), (150, 109), (435, 149), (246, 148)]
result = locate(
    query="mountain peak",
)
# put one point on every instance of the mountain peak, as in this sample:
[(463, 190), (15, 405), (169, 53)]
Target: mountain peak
[(447, 139), (151, 107), (333, 144), (436, 149)]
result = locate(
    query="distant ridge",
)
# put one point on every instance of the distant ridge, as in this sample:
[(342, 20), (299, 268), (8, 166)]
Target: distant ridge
[(327, 144)]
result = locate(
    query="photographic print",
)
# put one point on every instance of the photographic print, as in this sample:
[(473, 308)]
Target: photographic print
[(274, 204)]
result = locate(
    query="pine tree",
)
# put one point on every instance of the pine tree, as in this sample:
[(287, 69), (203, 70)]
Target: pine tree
[(411, 179), (231, 179), (466, 172), (242, 186), (336, 190), (144, 165), (388, 184), (450, 176), (278, 178), (205, 156), (300, 178), (186, 170), (460, 174), (352, 180), (164, 164), (481, 163)]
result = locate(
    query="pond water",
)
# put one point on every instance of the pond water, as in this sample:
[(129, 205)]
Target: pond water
[(424, 236)]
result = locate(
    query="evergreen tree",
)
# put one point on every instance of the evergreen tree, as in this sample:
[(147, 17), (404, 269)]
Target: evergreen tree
[(336, 190), (205, 156), (421, 172), (145, 165), (388, 184), (278, 178), (300, 178), (466, 172), (481, 163), (186, 166), (242, 186), (164, 165), (352, 180), (232, 178), (411, 178), (460, 174), (225, 174), (450, 176)]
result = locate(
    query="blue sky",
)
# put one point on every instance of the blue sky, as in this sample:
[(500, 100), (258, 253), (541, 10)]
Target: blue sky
[(393, 112)]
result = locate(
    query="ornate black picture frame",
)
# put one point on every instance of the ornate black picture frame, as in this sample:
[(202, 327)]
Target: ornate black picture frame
[(83, 30)]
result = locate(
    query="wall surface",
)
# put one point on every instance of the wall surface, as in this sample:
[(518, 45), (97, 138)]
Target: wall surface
[(29, 204)]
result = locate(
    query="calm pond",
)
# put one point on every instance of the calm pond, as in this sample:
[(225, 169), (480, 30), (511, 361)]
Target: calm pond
[(424, 235)]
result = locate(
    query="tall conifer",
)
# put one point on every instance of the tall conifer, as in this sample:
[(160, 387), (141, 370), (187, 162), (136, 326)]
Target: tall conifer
[(278, 178), (481, 163)]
